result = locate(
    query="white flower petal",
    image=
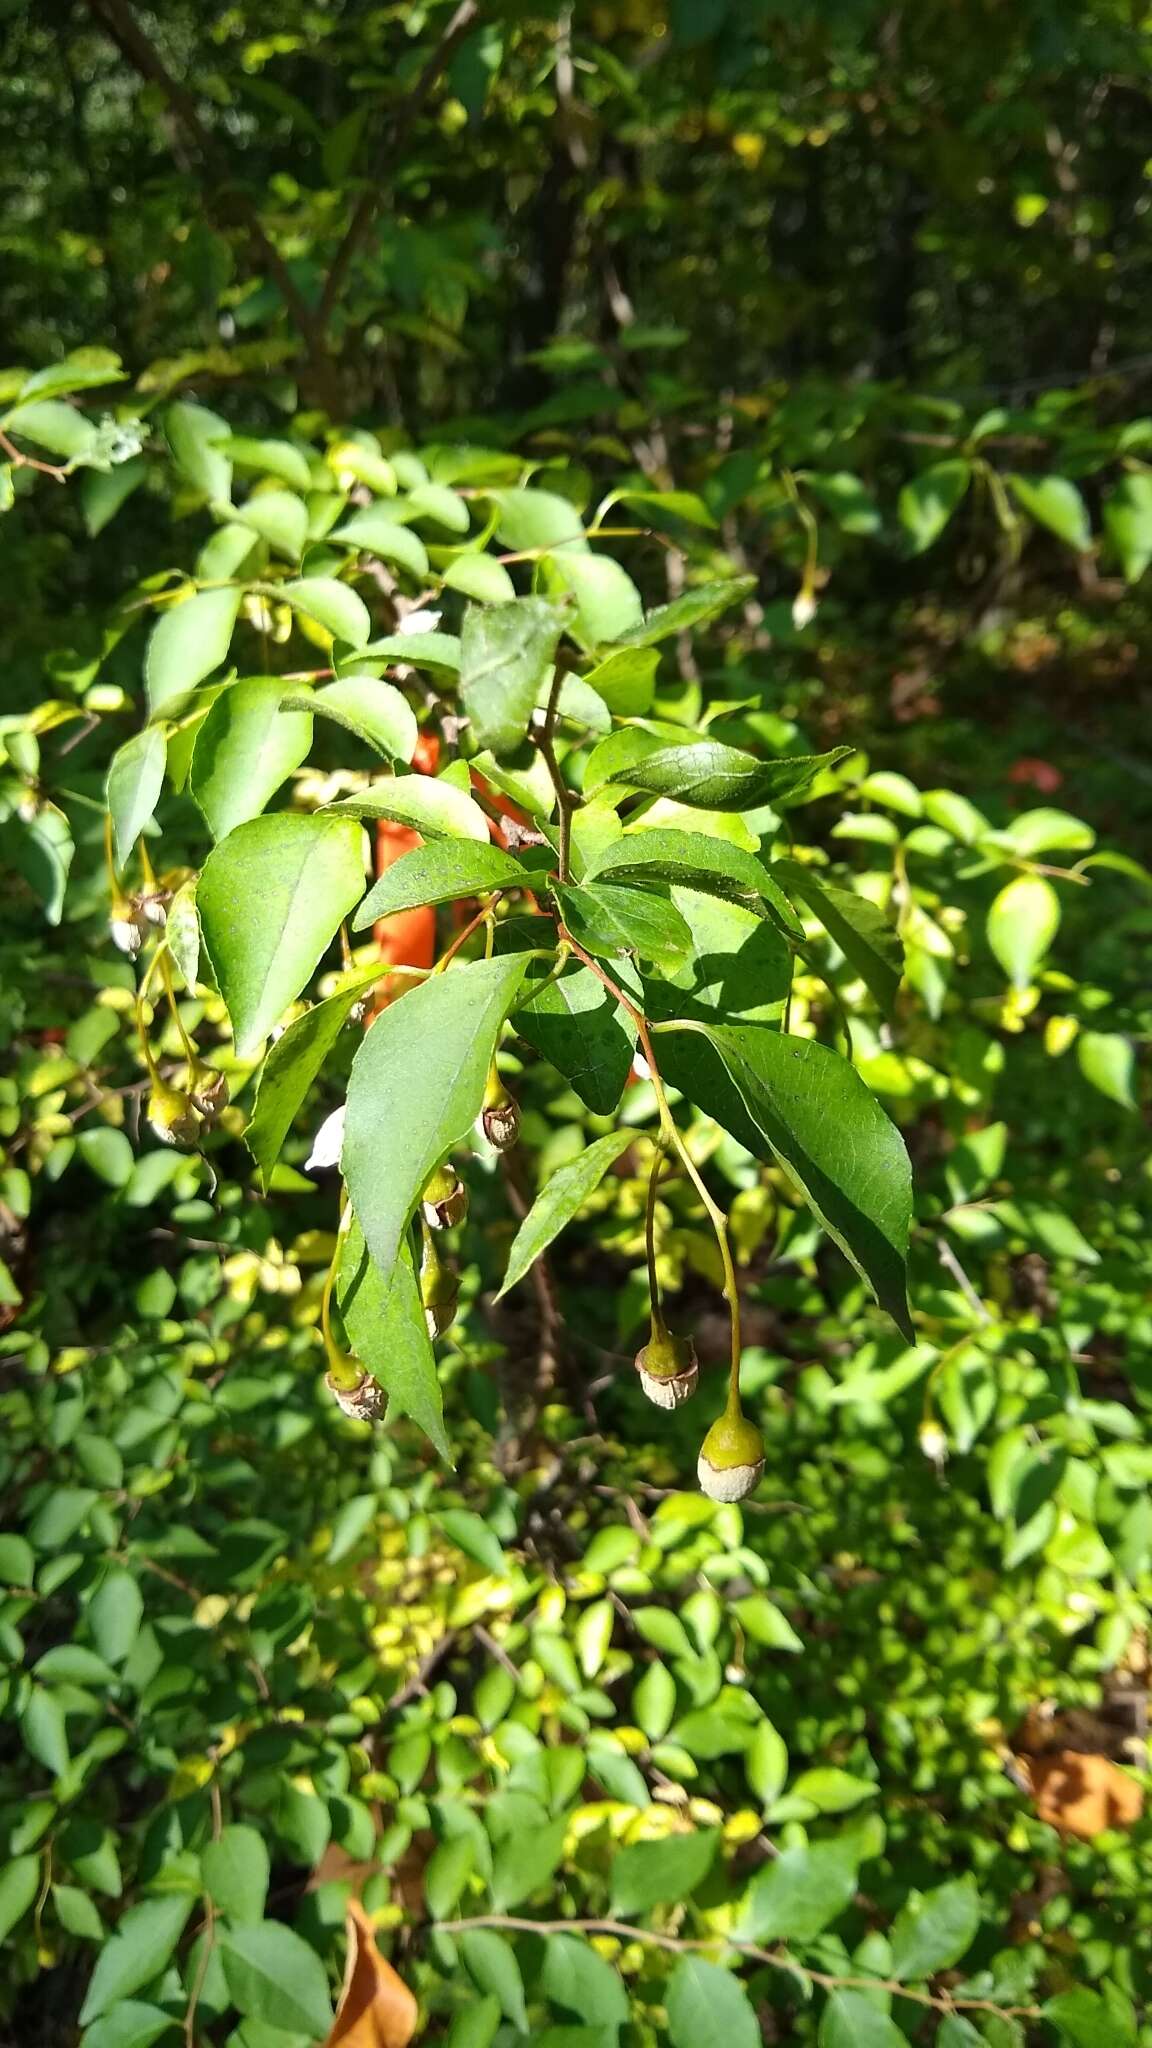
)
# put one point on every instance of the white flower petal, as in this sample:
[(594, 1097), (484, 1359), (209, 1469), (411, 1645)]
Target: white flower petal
[(418, 622), (327, 1144)]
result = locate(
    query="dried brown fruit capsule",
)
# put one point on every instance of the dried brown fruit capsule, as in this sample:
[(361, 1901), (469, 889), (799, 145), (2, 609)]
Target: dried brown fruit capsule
[(365, 1401), (731, 1458), (500, 1116), (445, 1199)]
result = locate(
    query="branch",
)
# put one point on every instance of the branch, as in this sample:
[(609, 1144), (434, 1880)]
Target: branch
[(372, 197), (777, 1959), (119, 23)]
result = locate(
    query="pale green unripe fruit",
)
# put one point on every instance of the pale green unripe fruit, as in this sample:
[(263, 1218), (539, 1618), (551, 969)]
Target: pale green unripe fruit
[(731, 1459), (445, 1199), (172, 1115), (668, 1368), (439, 1289)]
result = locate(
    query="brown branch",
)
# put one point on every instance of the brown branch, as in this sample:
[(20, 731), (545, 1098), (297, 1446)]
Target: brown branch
[(21, 461), (119, 23), (777, 1959), (376, 183)]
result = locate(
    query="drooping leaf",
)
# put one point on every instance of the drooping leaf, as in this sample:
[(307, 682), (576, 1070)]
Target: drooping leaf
[(868, 940), (471, 1534), (43, 1731), (270, 900), (182, 933), (440, 873), (928, 501), (708, 2003), (292, 1065), (374, 710), (247, 746), (280, 518), (375, 532), (416, 1087), (135, 779), (490, 1961), (714, 866), (582, 1031), (712, 777), (199, 440), (274, 1976), (608, 919), (331, 604), (19, 1884), (560, 1199), (706, 601), (1055, 502), (1022, 923), (137, 1952), (647, 1874), (1108, 1061), (436, 809), (799, 1102), (49, 423), (505, 652), (189, 640)]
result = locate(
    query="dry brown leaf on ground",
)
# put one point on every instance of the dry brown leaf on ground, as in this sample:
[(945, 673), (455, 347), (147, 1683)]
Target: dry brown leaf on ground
[(376, 2008), (1083, 1795)]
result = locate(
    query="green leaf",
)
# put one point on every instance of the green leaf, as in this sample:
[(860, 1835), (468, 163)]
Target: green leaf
[(476, 2026), (50, 424), (706, 601), (19, 1884), (437, 810), (471, 1534), (831, 1790), (273, 1975), (766, 1763), (647, 1874), (582, 1031), (115, 1613), (713, 777), (73, 1664), (932, 1932), (490, 1961), (1107, 1060), (102, 492), (608, 603), (182, 933), (1085, 2019), (1128, 523), (1054, 502), (437, 651), (1022, 923), (58, 1518), (281, 459), (388, 1332), (135, 779), (17, 1561), (354, 1519), (375, 533), (560, 1199), (575, 1977), (280, 518), (235, 1870), (128, 2025), (82, 369), (707, 2003), (713, 866), (331, 604), (374, 710), (626, 680), (199, 440), (799, 1102), (137, 1952), (189, 640), (440, 873), (608, 919), (43, 1732), (416, 1087), (442, 506), (851, 2020), (291, 1066), (865, 935), (1047, 831), (524, 1863), (270, 900), (800, 1893), (246, 747), (927, 502), (44, 853), (447, 1872), (109, 1154), (505, 653), (76, 1913), (530, 519)]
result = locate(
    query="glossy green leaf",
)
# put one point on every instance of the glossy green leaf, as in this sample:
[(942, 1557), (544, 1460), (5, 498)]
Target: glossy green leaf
[(530, 519), (1107, 1060), (137, 1953), (706, 601), (281, 459), (1055, 502), (188, 642), (280, 518), (199, 440), (609, 919), (560, 1199), (708, 2003), (1128, 523), (440, 873), (1022, 923), (19, 1884), (647, 1874), (436, 809), (128, 2024), (247, 746), (867, 938), (795, 1100), (505, 653), (331, 604), (608, 604), (471, 1534), (135, 779), (799, 1893), (479, 576), (931, 1932), (292, 1065), (626, 680), (714, 866), (103, 492), (270, 900), (831, 1790), (712, 777), (275, 1976), (928, 501), (416, 1088), (235, 1869), (374, 710), (49, 423), (582, 1031), (388, 1332), (373, 532), (436, 651)]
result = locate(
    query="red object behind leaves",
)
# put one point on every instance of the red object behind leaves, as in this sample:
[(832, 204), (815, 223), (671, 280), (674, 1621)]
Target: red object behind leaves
[(408, 938)]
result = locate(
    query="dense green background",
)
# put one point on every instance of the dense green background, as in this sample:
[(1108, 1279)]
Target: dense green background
[(871, 282)]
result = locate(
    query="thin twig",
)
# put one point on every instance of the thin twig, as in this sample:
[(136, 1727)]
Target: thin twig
[(777, 1959), (21, 461), (952, 1265)]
